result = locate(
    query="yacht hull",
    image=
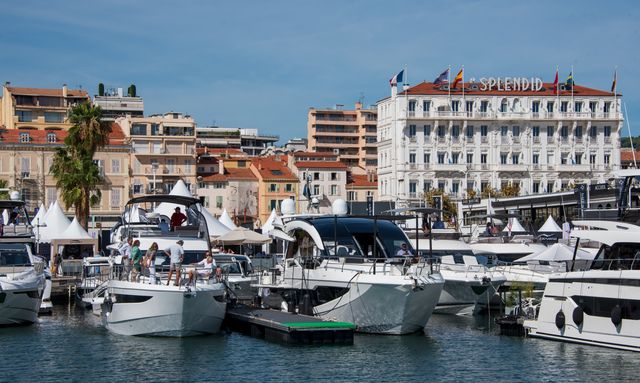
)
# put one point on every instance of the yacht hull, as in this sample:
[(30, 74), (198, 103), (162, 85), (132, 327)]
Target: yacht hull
[(151, 310), (20, 300)]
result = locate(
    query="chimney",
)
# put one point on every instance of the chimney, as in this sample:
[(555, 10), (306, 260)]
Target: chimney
[(358, 105), (405, 87), (221, 167), (65, 91)]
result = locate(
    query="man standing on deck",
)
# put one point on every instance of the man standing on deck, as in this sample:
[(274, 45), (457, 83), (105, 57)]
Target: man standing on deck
[(125, 251), (177, 219), (176, 252)]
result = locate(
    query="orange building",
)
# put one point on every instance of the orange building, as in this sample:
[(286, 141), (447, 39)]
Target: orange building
[(275, 184)]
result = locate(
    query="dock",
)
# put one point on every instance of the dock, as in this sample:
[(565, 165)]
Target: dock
[(288, 328)]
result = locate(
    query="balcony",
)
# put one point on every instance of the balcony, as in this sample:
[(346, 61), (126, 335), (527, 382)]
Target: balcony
[(573, 168), (450, 167), (512, 168)]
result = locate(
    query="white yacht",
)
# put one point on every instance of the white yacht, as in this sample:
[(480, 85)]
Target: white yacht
[(21, 273), (466, 281), (141, 307), (346, 269), (599, 306), (237, 272)]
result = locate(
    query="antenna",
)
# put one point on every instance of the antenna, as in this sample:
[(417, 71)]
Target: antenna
[(361, 98)]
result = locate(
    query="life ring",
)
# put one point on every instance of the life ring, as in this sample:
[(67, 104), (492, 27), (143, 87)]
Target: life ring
[(560, 319), (616, 315), (578, 316)]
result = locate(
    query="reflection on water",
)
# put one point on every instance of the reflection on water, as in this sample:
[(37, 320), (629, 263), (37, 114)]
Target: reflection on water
[(71, 345)]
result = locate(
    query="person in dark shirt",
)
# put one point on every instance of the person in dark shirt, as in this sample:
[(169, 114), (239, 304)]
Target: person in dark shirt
[(177, 219)]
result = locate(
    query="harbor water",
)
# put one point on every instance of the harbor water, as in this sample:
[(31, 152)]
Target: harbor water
[(71, 346)]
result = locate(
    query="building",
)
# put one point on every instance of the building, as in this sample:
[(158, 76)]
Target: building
[(296, 144), (325, 178), (115, 104), (26, 157), (163, 151), (226, 182), (499, 132), (275, 184), (247, 140), (628, 158), (351, 134), (39, 108)]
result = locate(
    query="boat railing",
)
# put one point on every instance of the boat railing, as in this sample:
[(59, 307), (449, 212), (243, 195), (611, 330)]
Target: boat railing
[(469, 270), (17, 271), (148, 276), (616, 263), (404, 265)]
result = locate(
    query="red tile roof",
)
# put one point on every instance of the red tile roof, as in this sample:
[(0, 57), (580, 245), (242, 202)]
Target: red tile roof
[(57, 92), (429, 88), (271, 169), (39, 137), (320, 165), (231, 174), (626, 155), (357, 181)]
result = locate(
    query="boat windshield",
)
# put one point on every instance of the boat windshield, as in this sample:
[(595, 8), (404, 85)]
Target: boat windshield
[(14, 254), (619, 256)]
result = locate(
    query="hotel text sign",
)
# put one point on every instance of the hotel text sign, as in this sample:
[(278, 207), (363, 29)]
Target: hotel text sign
[(511, 83)]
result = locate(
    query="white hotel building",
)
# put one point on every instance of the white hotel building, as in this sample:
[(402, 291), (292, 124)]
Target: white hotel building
[(430, 137)]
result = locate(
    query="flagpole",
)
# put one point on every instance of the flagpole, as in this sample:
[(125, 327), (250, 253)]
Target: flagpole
[(573, 84), (557, 89), (633, 150), (463, 86), (449, 84)]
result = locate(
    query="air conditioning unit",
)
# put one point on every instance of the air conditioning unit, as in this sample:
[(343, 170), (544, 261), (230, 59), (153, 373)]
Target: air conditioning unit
[(336, 151)]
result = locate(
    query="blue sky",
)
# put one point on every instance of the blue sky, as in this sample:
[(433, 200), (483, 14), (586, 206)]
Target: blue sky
[(262, 64)]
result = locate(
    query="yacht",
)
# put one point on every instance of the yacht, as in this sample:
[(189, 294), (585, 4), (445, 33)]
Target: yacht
[(599, 306), (467, 282), (347, 269), (237, 272), (137, 306), (22, 277)]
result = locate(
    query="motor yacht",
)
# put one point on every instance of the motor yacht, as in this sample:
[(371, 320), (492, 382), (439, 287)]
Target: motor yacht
[(237, 272), (347, 269), (134, 305), (599, 306)]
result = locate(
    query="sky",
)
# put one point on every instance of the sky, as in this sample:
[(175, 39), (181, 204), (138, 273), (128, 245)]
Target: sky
[(263, 64)]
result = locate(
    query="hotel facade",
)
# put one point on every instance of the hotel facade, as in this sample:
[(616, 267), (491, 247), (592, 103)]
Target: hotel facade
[(534, 137)]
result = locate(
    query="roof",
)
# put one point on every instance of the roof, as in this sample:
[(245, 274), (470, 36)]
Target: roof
[(321, 165), (56, 92), (314, 154), (231, 174), (272, 170), (40, 137), (428, 88), (361, 181), (626, 155)]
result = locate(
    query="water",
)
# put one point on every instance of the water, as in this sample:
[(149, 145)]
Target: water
[(71, 346)]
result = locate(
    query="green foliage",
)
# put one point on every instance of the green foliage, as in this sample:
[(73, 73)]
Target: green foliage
[(131, 91), (3, 185), (101, 89), (490, 192), (77, 176), (450, 208), (625, 142)]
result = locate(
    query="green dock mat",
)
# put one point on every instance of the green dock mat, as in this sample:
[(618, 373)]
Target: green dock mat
[(345, 325)]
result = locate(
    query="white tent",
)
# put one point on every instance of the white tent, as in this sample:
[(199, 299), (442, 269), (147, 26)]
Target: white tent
[(556, 253), (516, 227), (166, 208), (550, 226), (5, 216), (38, 219), (268, 225), (56, 223), (74, 234), (226, 220), (216, 229), (73, 231)]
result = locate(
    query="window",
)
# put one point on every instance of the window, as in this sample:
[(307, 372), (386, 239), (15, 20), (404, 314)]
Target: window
[(607, 107), (219, 201), (469, 158), (454, 158), (455, 105), (504, 130), (483, 158), (427, 130), (273, 204), (412, 158), (455, 187), (469, 131), (593, 131), (550, 106), (413, 186), (115, 166), (334, 189), (607, 157), (607, 131), (592, 159), (426, 186), (515, 130), (536, 187), (578, 132), (351, 196), (115, 197), (535, 107), (550, 131), (578, 107), (426, 105), (25, 137), (155, 129), (24, 116), (535, 159), (316, 176), (139, 129), (503, 158), (242, 163), (412, 130), (53, 117), (288, 188), (51, 138), (100, 165), (316, 190), (52, 195), (455, 131), (515, 158), (535, 131), (441, 158), (564, 131), (427, 158), (441, 185), (578, 158), (484, 130), (273, 188), (441, 131), (187, 166), (25, 165), (334, 176), (469, 106), (593, 106), (504, 106), (564, 105), (484, 105), (412, 106), (563, 158)]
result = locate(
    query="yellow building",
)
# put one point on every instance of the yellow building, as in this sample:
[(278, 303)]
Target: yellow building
[(275, 184), (38, 108)]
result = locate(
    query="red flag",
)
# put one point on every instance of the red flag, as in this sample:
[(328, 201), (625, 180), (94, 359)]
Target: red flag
[(555, 83), (458, 78)]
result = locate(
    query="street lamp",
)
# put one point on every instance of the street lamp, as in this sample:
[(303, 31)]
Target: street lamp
[(154, 169)]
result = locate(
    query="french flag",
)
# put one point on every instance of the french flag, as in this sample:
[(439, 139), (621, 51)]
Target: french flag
[(397, 78)]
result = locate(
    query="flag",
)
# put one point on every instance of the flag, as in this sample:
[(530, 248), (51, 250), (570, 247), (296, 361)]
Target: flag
[(569, 83), (397, 78), (615, 80), (555, 82), (458, 78), (443, 78)]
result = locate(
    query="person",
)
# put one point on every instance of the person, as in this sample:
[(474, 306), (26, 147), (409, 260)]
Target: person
[(177, 219), (125, 251), (438, 224), (489, 230), (151, 262), (404, 251), (176, 252), (203, 268), (425, 226), (494, 230), (57, 265), (566, 229), (136, 257)]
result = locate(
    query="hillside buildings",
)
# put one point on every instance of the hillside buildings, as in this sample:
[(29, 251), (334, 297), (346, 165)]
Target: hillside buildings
[(247, 140), (430, 137)]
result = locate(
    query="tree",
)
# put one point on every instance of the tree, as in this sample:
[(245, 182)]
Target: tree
[(77, 175), (101, 89), (511, 190), (4, 185), (490, 192), (450, 208)]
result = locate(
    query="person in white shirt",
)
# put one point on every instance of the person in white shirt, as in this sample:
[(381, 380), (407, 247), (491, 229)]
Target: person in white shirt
[(404, 251), (176, 252), (203, 268)]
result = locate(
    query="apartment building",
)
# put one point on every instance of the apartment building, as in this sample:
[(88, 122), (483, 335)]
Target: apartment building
[(538, 138), (249, 141), (162, 151), (326, 180), (276, 183), (350, 134), (114, 103)]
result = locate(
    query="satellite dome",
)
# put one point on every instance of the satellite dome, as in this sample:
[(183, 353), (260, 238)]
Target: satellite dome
[(288, 207), (339, 207), (14, 195)]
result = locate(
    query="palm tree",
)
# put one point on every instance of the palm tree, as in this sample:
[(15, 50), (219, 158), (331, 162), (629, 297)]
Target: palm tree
[(77, 175)]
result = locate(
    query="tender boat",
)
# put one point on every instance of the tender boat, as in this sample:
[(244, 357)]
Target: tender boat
[(237, 272), (140, 307), (346, 269), (599, 306)]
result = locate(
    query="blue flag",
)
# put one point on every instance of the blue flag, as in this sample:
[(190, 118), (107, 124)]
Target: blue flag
[(443, 78), (397, 78)]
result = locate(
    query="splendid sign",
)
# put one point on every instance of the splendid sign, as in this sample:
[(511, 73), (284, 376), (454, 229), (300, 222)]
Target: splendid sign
[(511, 84)]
